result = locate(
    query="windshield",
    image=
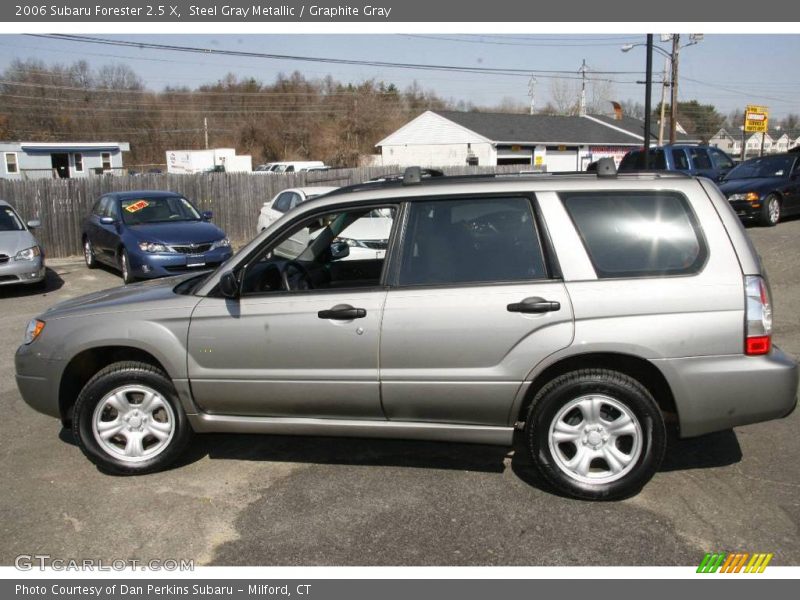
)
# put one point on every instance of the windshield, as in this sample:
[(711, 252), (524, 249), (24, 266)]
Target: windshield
[(158, 209), (9, 221), (768, 166)]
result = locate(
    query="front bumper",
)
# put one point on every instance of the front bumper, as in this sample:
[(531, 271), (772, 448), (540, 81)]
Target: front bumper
[(150, 266), (15, 272), (38, 378), (713, 393), (745, 209)]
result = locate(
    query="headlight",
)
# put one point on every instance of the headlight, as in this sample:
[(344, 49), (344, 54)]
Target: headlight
[(28, 253), (350, 242), (749, 197), (152, 247), (223, 243), (34, 329)]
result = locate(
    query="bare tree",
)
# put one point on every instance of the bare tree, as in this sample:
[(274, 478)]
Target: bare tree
[(565, 96)]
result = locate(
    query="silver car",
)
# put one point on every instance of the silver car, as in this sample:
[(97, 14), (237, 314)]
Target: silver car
[(583, 312), (21, 257)]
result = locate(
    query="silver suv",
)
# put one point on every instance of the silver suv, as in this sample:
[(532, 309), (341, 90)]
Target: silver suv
[(584, 311)]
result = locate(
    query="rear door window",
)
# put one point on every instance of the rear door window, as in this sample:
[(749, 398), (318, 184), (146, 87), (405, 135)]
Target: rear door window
[(471, 240), (700, 158), (679, 160), (637, 234)]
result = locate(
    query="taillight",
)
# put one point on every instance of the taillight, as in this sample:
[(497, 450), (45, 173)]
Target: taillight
[(758, 316)]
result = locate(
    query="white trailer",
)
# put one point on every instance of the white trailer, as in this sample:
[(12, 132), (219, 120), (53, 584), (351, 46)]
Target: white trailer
[(202, 161)]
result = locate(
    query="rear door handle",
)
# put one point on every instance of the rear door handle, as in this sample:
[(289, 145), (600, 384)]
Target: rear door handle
[(342, 312), (534, 305)]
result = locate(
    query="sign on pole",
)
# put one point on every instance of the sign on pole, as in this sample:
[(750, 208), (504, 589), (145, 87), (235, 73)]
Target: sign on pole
[(756, 119)]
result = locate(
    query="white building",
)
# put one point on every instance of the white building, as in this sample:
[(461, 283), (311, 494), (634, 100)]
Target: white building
[(541, 142), (38, 160), (775, 141), (201, 161)]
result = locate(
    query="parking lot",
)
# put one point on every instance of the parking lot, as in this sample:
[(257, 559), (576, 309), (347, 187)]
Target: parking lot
[(264, 500)]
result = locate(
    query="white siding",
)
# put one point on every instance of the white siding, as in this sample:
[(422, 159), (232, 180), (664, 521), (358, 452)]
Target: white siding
[(430, 128), (437, 155)]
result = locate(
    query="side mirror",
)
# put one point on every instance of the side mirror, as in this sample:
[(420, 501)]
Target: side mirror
[(107, 220), (339, 250), (206, 215), (34, 223), (228, 285)]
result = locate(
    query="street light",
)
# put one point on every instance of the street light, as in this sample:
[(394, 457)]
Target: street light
[(694, 38)]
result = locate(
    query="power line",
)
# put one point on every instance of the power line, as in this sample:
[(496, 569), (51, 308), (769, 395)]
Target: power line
[(320, 59)]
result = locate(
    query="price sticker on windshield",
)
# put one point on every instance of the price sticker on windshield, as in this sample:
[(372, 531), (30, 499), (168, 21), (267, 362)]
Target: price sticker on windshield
[(137, 206)]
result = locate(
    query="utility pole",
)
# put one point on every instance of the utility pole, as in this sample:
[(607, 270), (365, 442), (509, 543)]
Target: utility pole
[(648, 100), (663, 104), (205, 130), (673, 108), (532, 91), (582, 71)]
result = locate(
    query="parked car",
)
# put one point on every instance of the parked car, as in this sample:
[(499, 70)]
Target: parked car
[(148, 234), (765, 188), (286, 200), (292, 166), (692, 159), (582, 311), (21, 255)]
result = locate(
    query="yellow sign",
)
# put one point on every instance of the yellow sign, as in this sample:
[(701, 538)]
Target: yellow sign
[(538, 161), (756, 119)]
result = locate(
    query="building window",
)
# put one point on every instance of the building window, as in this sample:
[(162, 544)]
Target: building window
[(11, 162), (78, 162), (106, 161)]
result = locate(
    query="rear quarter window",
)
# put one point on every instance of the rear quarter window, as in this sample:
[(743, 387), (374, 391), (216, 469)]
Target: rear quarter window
[(637, 234)]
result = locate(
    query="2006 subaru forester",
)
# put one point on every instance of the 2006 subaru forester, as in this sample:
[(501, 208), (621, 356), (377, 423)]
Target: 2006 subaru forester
[(580, 308)]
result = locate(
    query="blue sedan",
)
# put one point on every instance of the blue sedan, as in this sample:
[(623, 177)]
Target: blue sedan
[(148, 234)]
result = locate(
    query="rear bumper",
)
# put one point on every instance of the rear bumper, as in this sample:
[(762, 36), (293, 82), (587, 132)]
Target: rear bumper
[(713, 393)]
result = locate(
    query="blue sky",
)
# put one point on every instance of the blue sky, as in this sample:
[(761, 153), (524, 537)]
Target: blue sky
[(726, 70)]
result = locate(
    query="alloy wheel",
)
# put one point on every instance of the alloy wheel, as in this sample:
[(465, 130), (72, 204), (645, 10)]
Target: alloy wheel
[(595, 439), (133, 423)]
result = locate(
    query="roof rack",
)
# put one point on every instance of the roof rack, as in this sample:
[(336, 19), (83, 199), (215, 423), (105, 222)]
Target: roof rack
[(606, 168)]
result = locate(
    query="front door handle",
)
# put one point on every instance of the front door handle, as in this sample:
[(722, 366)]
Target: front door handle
[(534, 305), (342, 312)]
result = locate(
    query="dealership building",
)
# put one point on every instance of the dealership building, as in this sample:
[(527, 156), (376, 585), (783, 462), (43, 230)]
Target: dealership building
[(539, 142)]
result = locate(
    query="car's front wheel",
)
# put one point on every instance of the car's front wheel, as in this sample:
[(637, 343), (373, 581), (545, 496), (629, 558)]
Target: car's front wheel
[(596, 434), (128, 419), (771, 211), (125, 267)]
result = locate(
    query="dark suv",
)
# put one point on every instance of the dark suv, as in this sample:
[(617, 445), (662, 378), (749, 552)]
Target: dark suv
[(703, 161)]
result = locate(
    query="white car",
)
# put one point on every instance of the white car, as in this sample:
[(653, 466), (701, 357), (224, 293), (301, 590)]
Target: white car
[(285, 201)]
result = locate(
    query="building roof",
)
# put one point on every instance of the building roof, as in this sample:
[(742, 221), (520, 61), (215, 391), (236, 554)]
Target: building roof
[(636, 126), (32, 147), (515, 128)]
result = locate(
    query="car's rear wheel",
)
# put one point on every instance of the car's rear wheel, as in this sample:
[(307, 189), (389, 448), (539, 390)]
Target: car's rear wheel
[(596, 434), (128, 419), (88, 254), (771, 211), (125, 267)]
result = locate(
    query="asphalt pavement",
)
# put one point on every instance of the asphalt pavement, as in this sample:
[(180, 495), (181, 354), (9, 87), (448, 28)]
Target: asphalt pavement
[(267, 500)]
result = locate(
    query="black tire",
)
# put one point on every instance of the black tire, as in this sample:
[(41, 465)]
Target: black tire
[(113, 377), (125, 267), (88, 254), (770, 211), (624, 391)]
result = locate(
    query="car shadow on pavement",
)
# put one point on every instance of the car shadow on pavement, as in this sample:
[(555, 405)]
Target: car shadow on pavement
[(348, 451), (710, 451), (52, 282)]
